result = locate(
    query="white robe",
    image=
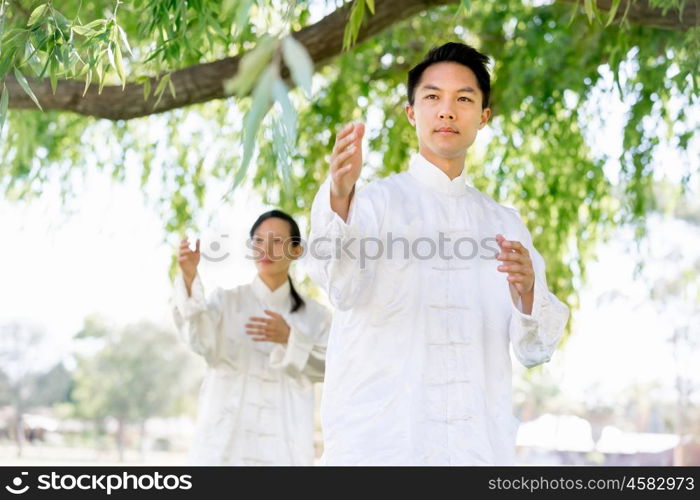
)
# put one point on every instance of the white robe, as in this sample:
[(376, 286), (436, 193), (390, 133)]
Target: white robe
[(256, 404), (418, 368)]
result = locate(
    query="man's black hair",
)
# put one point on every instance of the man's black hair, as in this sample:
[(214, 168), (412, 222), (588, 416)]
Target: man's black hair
[(459, 53)]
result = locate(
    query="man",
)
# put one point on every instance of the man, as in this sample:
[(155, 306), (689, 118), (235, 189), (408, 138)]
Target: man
[(418, 370)]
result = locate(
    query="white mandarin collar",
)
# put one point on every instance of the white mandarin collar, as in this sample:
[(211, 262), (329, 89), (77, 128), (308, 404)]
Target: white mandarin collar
[(279, 298), (431, 175)]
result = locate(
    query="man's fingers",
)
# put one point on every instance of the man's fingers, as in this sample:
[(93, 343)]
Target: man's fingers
[(359, 130), (343, 170), (512, 256), (355, 128), (343, 143), (347, 153), (513, 268), (345, 131), (500, 239), (343, 134), (197, 246), (272, 313), (261, 320), (515, 245), (340, 160)]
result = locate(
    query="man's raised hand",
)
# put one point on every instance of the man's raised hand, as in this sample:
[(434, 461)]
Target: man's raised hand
[(346, 164), (516, 262)]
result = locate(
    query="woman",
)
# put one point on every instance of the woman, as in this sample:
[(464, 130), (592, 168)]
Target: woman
[(264, 345)]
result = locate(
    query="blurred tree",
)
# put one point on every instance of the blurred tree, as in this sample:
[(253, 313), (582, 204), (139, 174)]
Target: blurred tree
[(25, 382), (536, 391), (557, 67), (677, 296), (53, 386), (135, 373)]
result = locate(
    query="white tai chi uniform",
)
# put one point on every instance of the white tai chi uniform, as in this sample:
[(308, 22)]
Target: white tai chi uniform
[(418, 369), (256, 404)]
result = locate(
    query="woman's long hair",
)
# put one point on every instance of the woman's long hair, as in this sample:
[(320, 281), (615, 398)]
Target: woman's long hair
[(297, 301)]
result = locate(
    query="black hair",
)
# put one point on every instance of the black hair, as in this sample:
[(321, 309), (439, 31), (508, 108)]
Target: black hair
[(297, 301), (459, 53)]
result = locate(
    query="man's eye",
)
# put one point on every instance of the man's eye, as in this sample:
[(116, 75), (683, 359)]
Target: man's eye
[(430, 96)]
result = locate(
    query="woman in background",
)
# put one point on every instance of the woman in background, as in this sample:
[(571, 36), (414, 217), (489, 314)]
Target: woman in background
[(264, 345)]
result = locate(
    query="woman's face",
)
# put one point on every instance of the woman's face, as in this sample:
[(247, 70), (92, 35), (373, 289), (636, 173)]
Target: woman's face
[(272, 247)]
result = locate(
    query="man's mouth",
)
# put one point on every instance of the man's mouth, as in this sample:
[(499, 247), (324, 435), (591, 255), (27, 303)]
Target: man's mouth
[(446, 130)]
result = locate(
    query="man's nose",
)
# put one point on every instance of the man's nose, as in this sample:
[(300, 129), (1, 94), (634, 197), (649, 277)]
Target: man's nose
[(447, 114)]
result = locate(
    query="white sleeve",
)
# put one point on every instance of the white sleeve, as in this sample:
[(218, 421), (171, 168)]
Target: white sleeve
[(305, 351), (535, 336), (335, 255), (199, 321)]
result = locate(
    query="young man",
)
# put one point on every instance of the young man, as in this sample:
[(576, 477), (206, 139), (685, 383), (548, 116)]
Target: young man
[(432, 280)]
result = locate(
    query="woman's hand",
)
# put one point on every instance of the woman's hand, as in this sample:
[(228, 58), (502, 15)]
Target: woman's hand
[(272, 329), (188, 261)]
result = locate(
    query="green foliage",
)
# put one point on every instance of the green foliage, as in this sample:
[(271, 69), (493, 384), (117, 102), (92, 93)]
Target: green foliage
[(357, 13), (47, 43), (549, 66)]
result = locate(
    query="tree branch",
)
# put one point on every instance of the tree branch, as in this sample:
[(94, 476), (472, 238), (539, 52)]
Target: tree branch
[(640, 12), (205, 82), (323, 40)]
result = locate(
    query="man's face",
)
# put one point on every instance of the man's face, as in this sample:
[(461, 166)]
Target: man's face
[(447, 110)]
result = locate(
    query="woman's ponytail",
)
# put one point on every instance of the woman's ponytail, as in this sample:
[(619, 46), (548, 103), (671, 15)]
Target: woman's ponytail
[(297, 301)]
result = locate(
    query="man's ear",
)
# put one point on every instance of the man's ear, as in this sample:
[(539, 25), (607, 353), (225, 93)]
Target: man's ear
[(485, 115), (410, 114)]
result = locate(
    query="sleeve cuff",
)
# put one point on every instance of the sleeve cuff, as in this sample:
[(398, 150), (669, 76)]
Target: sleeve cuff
[(540, 323), (293, 357), (327, 217), (185, 304), (537, 304)]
